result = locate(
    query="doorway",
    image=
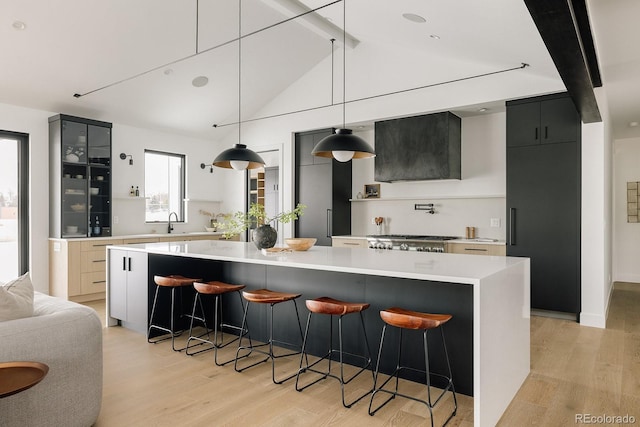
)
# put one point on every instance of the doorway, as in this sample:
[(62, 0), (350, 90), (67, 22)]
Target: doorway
[(264, 187), (14, 205)]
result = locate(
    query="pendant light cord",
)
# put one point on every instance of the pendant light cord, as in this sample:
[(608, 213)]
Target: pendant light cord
[(344, 62), (239, 71), (197, 23), (332, 69)]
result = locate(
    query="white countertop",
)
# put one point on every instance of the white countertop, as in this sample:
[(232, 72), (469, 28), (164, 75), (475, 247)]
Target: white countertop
[(455, 268), (145, 236)]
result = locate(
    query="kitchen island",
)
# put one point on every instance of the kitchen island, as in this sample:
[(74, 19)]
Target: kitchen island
[(487, 339)]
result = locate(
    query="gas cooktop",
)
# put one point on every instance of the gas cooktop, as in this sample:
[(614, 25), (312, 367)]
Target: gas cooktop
[(408, 237)]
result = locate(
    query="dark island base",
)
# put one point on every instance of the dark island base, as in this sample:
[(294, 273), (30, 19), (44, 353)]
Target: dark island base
[(380, 292)]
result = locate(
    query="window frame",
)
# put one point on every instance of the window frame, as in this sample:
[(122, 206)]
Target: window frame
[(183, 185)]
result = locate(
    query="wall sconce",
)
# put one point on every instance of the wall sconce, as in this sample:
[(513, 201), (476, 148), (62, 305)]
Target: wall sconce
[(124, 156), (202, 166)]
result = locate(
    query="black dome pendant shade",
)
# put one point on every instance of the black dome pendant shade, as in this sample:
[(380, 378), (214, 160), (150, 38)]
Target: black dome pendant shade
[(343, 141), (239, 157)]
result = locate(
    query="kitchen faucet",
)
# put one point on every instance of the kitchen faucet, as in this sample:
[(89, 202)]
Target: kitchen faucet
[(170, 227)]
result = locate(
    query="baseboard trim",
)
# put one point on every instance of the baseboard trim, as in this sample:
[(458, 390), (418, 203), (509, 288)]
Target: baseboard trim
[(553, 314), (593, 320)]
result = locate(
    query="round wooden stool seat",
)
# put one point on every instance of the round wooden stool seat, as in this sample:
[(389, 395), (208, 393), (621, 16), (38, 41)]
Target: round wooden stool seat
[(266, 296), (174, 281), (407, 319), (326, 305), (216, 288)]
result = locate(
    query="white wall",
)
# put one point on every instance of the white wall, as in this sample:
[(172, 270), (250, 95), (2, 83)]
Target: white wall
[(596, 219), (204, 189), (626, 235)]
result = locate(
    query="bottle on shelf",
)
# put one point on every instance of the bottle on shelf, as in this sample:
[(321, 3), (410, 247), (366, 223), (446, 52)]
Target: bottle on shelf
[(97, 230), (137, 192), (132, 192)]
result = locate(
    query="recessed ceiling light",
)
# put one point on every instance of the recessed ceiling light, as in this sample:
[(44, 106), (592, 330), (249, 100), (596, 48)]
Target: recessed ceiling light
[(168, 71), (435, 36), (414, 18), (482, 110), (200, 81), (19, 25), (633, 124)]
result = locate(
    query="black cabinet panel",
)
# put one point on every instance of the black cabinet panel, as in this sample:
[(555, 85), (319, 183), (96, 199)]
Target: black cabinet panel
[(314, 191), (543, 197), (324, 186), (559, 120), (543, 120), (523, 124), (543, 217)]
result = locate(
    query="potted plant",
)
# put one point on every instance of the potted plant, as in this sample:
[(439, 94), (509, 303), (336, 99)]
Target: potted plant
[(264, 235), (213, 219)]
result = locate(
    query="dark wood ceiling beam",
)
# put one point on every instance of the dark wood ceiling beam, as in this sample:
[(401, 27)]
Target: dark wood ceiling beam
[(558, 24)]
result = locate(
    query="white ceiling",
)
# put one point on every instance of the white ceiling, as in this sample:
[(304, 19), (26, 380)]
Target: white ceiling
[(135, 60)]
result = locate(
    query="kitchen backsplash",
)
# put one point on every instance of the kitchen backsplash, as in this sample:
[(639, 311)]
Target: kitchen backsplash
[(451, 217)]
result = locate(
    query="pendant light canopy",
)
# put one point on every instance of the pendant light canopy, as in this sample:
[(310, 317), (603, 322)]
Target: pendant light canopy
[(239, 157), (343, 145)]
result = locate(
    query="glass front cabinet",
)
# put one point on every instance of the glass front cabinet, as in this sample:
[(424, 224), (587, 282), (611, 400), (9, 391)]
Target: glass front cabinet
[(80, 177)]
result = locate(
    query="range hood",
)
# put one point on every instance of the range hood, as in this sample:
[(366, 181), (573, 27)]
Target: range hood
[(418, 148)]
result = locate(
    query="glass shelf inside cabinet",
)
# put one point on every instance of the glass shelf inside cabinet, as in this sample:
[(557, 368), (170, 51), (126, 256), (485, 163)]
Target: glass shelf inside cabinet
[(74, 142)]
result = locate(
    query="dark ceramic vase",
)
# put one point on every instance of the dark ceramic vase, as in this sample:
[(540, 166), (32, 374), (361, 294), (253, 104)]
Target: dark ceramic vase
[(265, 236)]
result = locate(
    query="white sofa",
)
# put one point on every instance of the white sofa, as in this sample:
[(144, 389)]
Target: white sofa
[(68, 338)]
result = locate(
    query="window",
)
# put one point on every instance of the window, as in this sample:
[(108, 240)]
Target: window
[(14, 205), (164, 183)]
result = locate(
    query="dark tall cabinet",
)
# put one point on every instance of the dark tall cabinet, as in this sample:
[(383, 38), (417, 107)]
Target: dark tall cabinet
[(79, 177), (324, 186), (543, 197)]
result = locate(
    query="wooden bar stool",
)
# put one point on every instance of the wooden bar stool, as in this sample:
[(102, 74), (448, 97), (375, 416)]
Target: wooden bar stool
[(266, 296), (406, 319), (171, 282), (333, 307), (218, 289)]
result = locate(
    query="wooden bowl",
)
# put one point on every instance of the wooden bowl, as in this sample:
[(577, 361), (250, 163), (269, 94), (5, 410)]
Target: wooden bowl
[(300, 243)]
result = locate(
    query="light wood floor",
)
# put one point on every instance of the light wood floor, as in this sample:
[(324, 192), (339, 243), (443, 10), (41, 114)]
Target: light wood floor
[(574, 370)]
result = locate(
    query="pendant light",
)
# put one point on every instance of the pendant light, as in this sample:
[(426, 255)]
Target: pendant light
[(239, 157), (343, 145)]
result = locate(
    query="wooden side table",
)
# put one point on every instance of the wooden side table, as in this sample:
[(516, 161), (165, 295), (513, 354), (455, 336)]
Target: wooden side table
[(19, 376)]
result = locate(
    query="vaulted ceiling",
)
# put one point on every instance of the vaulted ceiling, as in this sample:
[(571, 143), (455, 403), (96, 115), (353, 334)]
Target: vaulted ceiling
[(135, 62)]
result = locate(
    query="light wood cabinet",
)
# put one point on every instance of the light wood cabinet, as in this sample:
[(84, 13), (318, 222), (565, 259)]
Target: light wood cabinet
[(77, 267), (349, 243), (476, 249)]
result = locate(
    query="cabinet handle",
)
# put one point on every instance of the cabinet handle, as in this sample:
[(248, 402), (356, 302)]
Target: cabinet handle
[(351, 244), (536, 134), (475, 249), (129, 263), (99, 260), (512, 226), (546, 132), (124, 263), (328, 222), (99, 281)]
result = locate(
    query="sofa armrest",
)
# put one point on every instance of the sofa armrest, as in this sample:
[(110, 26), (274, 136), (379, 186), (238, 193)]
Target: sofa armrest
[(68, 338)]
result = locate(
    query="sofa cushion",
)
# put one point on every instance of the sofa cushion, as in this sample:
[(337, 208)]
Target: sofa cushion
[(16, 298)]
